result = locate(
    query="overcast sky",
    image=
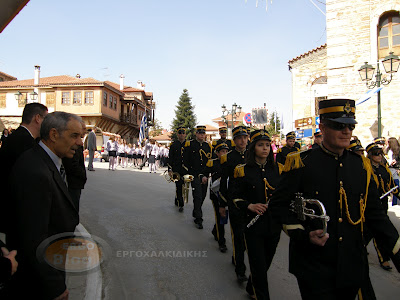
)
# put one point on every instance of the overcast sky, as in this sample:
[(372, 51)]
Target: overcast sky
[(222, 51)]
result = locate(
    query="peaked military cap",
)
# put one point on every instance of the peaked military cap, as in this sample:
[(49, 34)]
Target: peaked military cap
[(223, 129), (372, 147), (318, 134), (221, 145), (291, 135), (259, 134), (380, 140), (181, 128), (338, 110), (201, 129), (355, 145), (239, 130)]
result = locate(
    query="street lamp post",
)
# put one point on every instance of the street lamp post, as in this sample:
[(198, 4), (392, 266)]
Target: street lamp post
[(391, 64), (234, 112)]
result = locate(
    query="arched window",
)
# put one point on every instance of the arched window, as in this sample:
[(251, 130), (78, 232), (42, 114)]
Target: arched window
[(389, 34)]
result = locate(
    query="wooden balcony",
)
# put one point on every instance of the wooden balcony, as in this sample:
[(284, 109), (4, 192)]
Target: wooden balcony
[(128, 119)]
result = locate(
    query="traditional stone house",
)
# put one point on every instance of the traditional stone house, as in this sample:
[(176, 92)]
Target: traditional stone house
[(358, 31)]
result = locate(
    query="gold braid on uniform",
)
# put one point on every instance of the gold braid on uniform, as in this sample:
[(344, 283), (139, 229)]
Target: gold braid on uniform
[(266, 184), (293, 161), (363, 201), (208, 155)]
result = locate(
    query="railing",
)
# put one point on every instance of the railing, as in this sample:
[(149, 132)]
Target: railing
[(129, 118)]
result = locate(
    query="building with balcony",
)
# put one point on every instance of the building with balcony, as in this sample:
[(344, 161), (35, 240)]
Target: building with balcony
[(110, 106)]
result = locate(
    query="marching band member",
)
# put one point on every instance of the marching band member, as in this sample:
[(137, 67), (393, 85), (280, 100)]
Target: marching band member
[(213, 169), (317, 139), (175, 165), (223, 139), (195, 156), (356, 147), (236, 218), (291, 146), (385, 183), (332, 265), (255, 183)]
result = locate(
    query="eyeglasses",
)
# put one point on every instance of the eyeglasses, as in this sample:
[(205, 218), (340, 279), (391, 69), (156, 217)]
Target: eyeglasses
[(181, 131), (340, 126)]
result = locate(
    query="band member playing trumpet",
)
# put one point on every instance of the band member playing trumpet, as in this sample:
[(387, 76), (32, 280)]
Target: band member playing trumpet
[(236, 218), (213, 169), (195, 156), (175, 165), (334, 265), (255, 182)]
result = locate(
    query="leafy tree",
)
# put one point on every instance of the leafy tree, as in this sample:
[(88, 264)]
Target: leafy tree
[(272, 129), (184, 116), (156, 129)]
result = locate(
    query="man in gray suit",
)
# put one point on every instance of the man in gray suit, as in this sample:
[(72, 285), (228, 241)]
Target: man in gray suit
[(91, 145)]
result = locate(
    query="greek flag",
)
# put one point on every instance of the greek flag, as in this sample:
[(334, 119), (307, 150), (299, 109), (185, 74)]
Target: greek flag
[(143, 129), (368, 95)]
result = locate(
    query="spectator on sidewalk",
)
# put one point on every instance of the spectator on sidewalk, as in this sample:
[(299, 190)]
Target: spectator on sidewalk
[(42, 207), (91, 145), (76, 172)]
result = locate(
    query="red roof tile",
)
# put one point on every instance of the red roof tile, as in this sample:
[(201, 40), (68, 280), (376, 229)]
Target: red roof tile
[(5, 74), (307, 53)]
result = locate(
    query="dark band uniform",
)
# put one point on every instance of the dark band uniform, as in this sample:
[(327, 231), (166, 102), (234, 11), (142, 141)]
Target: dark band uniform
[(355, 145), (345, 186), (195, 157), (385, 182), (284, 151), (175, 164), (236, 218), (230, 143), (317, 134), (255, 183), (214, 169)]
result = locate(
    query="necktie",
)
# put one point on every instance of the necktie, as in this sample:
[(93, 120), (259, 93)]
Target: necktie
[(63, 174)]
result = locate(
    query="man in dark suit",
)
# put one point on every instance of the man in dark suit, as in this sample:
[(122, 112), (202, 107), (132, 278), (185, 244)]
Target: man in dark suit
[(91, 145), (17, 143), (42, 206)]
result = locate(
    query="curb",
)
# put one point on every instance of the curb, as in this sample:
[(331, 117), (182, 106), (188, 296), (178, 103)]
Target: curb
[(94, 280)]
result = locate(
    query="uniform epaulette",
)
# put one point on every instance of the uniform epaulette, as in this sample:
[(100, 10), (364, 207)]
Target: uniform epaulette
[(187, 144), (233, 144), (214, 143), (279, 150), (368, 167), (239, 171), (280, 166), (224, 158), (294, 161), (210, 162)]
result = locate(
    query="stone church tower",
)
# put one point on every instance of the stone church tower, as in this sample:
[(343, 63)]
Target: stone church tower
[(358, 31)]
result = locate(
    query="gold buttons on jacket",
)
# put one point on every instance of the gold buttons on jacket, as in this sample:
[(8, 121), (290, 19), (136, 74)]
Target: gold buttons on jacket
[(341, 165), (340, 220), (316, 192), (340, 239), (341, 183)]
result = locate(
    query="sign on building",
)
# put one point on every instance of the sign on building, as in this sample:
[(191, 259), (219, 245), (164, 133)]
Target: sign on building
[(259, 116)]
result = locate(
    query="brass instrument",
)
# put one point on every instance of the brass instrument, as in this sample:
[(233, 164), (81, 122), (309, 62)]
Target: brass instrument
[(186, 186), (298, 206), (174, 178)]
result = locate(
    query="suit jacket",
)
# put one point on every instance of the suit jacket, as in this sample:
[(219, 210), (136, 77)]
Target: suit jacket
[(42, 208), (75, 170), (91, 145), (16, 144)]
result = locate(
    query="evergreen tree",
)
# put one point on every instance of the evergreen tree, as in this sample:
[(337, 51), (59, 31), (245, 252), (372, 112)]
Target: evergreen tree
[(184, 116), (156, 129), (272, 129)]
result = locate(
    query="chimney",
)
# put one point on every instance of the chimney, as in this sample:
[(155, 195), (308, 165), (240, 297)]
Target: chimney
[(140, 85), (78, 76), (121, 82), (37, 75)]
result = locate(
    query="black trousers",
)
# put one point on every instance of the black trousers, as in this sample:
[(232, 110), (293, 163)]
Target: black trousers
[(309, 291), (178, 193), (199, 192), (219, 228), (261, 242), (238, 224)]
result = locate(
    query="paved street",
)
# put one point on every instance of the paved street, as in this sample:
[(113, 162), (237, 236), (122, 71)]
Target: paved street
[(157, 253)]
